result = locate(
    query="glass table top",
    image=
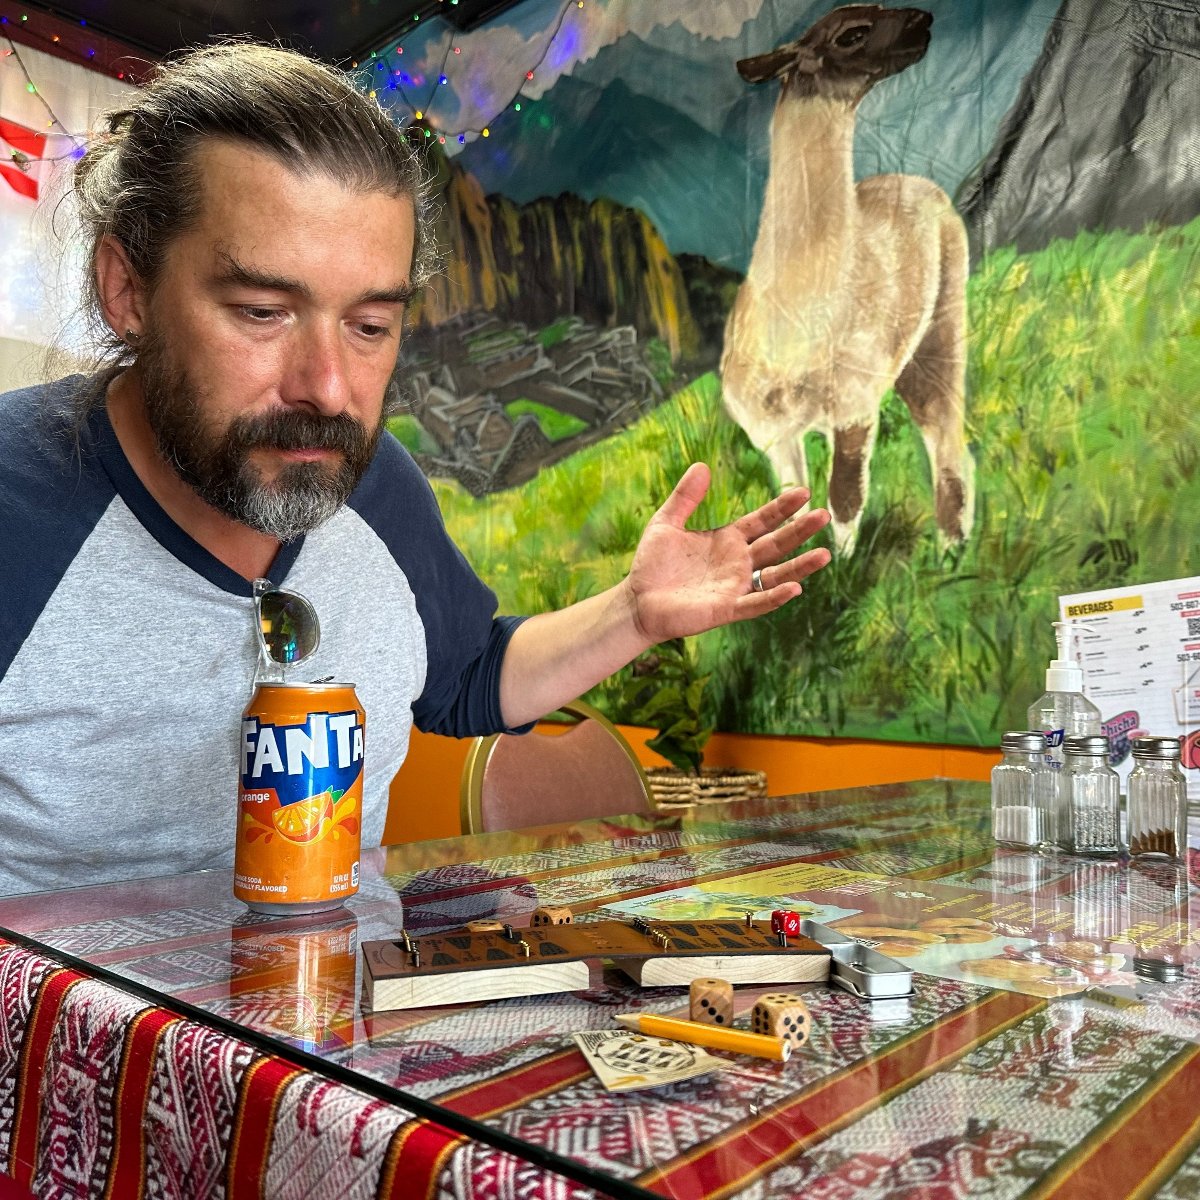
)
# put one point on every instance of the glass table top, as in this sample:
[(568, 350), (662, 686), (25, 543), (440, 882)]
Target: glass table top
[(1046, 989)]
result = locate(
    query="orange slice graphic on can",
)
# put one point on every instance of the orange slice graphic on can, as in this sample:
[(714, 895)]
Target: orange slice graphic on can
[(301, 822)]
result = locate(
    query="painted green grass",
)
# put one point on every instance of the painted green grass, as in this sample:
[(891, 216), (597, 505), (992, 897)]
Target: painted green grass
[(554, 424), (412, 435), (556, 332), (1083, 389)]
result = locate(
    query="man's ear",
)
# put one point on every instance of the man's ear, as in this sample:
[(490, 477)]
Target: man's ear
[(121, 290)]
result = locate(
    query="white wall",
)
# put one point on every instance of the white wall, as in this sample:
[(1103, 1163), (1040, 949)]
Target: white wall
[(19, 363), (23, 363)]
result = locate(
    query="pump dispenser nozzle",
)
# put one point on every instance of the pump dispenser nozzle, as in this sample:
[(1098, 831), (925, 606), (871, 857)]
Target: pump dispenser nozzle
[(1064, 674)]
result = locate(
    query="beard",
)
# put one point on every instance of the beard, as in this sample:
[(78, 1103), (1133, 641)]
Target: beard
[(217, 464)]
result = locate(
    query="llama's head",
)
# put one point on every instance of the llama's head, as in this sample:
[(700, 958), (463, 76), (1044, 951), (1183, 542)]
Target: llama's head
[(845, 53)]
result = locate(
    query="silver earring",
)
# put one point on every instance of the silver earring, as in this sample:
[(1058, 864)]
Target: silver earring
[(132, 336)]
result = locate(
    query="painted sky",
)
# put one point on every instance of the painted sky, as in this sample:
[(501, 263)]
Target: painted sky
[(641, 102)]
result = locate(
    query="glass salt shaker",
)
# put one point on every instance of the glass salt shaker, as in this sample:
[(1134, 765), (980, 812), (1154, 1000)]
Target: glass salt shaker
[(1091, 799), (1023, 793), (1157, 801)]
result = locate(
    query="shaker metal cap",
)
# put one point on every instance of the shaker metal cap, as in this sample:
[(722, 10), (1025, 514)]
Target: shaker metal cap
[(1092, 743), (1161, 970), (1028, 740), (1156, 747)]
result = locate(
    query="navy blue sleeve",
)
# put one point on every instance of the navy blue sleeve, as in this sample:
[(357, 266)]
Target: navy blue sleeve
[(52, 493), (465, 640)]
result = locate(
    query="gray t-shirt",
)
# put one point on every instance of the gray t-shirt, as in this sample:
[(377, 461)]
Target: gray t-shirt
[(127, 651)]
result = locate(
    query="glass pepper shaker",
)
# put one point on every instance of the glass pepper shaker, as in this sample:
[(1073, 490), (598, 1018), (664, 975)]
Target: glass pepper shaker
[(1091, 798), (1023, 792), (1157, 801)]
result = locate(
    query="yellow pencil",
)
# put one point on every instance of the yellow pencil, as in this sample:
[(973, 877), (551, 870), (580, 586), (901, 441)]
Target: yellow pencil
[(712, 1036)]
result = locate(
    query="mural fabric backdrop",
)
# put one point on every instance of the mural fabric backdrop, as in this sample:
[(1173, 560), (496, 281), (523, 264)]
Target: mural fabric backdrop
[(941, 261)]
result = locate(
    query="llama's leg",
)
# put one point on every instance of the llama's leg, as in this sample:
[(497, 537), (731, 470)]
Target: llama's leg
[(756, 402), (933, 385), (766, 424), (784, 448), (849, 478)]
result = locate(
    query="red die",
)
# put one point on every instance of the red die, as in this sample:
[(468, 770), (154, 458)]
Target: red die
[(783, 920)]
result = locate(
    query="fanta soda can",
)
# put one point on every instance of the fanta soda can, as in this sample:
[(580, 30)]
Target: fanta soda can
[(300, 798)]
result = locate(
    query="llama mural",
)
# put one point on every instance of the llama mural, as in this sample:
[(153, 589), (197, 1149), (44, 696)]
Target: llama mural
[(853, 288)]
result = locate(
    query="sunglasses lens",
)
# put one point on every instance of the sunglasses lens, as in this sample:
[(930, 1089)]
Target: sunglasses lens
[(289, 626)]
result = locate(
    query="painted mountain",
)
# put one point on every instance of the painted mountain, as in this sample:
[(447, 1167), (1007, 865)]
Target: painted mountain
[(553, 258), (598, 133)]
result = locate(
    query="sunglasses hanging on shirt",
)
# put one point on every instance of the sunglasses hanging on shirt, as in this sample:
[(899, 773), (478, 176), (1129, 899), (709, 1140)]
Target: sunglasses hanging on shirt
[(288, 630)]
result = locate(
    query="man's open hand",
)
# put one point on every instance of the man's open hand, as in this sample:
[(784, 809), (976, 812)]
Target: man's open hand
[(686, 581)]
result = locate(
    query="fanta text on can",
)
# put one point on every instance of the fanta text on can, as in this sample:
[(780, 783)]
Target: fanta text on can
[(299, 798)]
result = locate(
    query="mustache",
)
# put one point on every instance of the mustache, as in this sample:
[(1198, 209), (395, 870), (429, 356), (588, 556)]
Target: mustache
[(287, 429)]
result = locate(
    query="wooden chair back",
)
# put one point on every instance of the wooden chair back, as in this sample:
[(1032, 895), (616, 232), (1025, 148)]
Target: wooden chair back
[(513, 781)]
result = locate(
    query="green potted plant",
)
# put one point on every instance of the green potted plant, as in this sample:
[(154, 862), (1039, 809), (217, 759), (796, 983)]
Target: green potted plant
[(665, 691)]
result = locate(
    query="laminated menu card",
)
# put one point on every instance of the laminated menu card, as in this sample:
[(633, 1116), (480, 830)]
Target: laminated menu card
[(1140, 652)]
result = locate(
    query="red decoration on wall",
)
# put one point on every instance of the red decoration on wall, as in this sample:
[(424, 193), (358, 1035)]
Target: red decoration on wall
[(20, 147)]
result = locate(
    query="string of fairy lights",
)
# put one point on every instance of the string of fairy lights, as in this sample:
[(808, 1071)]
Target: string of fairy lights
[(397, 80), (46, 29), (20, 158)]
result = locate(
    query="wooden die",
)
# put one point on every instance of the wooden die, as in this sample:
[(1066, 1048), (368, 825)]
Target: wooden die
[(485, 926), (710, 1001), (550, 915), (782, 1015)]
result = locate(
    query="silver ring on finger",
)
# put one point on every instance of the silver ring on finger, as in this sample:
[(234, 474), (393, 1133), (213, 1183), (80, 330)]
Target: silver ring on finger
[(756, 581)]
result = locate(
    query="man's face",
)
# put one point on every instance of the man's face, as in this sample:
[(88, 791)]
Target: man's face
[(271, 337)]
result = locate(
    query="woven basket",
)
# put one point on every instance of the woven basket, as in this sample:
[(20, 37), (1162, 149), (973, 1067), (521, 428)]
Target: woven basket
[(674, 789)]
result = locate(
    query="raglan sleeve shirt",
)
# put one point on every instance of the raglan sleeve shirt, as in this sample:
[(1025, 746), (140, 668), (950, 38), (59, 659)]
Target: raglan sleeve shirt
[(127, 651)]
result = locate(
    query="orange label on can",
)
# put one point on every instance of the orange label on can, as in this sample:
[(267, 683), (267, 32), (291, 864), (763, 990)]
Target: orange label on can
[(301, 795)]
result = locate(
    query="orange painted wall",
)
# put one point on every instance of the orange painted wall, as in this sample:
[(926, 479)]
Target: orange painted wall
[(424, 801)]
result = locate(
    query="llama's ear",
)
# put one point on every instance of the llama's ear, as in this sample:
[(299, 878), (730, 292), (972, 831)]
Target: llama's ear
[(795, 56)]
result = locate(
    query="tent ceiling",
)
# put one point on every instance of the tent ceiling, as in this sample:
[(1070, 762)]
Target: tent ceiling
[(335, 30)]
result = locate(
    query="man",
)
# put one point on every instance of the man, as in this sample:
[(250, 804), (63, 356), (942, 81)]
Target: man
[(256, 228)]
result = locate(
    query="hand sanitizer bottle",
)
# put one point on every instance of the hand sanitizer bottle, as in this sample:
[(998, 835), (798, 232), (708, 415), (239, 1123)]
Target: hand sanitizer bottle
[(1064, 711)]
